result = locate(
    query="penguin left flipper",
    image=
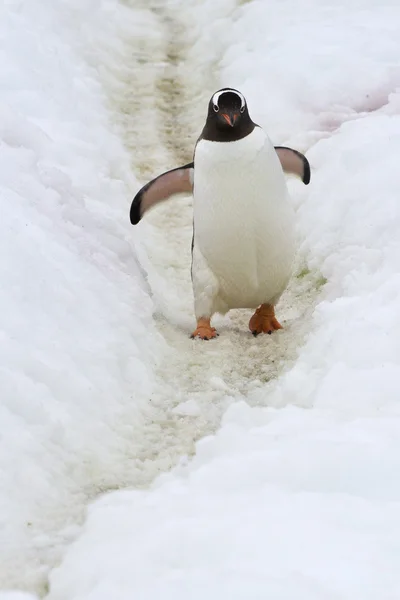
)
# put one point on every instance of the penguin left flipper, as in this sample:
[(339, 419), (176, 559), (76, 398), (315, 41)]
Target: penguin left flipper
[(294, 162), (176, 181)]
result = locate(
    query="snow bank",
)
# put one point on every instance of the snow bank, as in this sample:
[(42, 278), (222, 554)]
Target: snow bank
[(305, 67), (302, 507), (300, 500), (77, 344)]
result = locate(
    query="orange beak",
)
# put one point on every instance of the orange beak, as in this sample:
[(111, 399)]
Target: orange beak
[(230, 118)]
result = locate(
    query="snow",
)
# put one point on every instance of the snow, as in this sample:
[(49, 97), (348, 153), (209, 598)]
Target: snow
[(15, 595), (306, 67), (261, 512), (295, 495), (78, 347)]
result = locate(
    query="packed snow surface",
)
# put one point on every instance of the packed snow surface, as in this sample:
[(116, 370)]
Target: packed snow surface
[(296, 494)]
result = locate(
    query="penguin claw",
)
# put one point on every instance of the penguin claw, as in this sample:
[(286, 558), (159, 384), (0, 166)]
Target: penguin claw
[(264, 321), (203, 337), (204, 331)]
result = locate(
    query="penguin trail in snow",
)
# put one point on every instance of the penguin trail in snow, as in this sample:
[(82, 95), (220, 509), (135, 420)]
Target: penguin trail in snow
[(243, 228)]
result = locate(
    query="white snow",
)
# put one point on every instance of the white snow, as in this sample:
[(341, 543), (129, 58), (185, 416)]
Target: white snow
[(296, 495), (78, 347), (15, 595)]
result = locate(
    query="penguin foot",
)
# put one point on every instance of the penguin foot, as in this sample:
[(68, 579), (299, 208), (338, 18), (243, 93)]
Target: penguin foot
[(204, 331), (264, 320)]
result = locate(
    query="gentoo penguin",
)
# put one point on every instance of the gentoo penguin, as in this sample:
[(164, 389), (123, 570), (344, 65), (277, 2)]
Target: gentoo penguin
[(243, 227)]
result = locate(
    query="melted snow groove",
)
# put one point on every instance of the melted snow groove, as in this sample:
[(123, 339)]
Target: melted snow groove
[(171, 94)]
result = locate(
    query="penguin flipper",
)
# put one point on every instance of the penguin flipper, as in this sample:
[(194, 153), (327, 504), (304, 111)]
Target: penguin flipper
[(176, 181), (294, 162)]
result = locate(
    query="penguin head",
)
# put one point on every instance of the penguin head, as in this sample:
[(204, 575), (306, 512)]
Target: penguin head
[(227, 109)]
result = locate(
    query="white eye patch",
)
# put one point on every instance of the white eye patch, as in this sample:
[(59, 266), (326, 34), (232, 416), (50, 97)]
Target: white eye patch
[(217, 95)]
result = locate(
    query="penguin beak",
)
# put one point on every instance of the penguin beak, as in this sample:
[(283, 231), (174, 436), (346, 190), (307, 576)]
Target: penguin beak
[(230, 117)]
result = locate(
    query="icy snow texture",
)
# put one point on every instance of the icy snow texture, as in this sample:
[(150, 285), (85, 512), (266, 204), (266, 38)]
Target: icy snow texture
[(305, 67), (16, 596), (77, 343), (292, 501)]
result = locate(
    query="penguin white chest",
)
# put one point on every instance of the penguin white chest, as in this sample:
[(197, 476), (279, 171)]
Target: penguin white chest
[(243, 220)]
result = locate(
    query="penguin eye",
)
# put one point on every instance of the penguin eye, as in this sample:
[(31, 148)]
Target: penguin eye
[(242, 109), (216, 107)]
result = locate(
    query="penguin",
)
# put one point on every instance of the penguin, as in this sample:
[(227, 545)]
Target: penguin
[(243, 244)]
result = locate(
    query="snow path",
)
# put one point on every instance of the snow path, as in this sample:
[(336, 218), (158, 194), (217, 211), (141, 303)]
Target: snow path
[(196, 381), (309, 493), (161, 106)]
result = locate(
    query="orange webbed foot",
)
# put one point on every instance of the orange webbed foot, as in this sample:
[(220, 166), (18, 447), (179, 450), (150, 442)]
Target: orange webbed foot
[(204, 331), (264, 320)]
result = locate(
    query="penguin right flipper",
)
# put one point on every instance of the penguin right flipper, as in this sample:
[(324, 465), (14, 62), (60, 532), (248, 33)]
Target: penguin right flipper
[(294, 162), (176, 181)]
